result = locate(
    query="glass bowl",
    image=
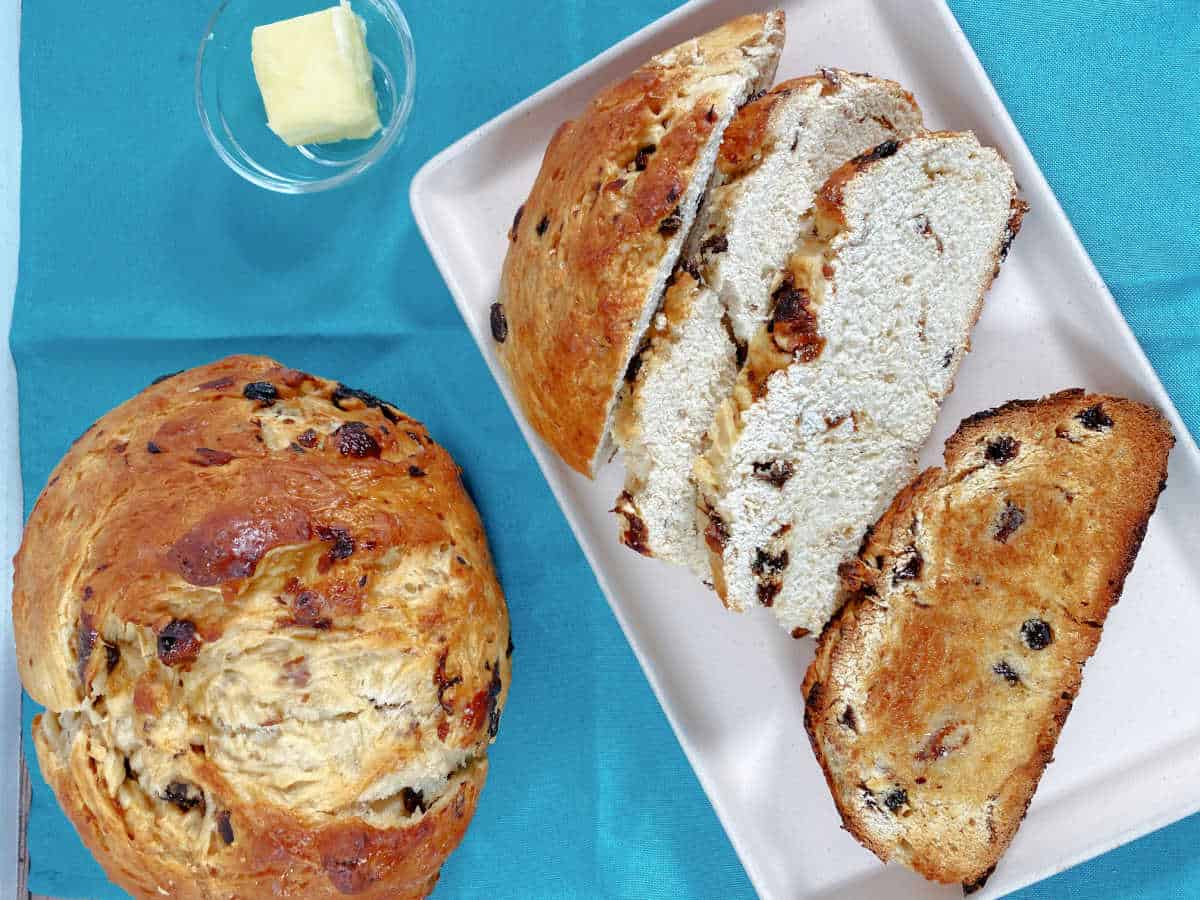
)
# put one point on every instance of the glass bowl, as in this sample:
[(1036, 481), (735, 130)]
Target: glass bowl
[(231, 108)]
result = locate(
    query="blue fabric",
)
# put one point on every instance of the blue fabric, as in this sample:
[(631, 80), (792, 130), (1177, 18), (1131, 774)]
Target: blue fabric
[(142, 254)]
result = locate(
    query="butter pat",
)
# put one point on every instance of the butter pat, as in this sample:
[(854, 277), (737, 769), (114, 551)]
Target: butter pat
[(314, 74)]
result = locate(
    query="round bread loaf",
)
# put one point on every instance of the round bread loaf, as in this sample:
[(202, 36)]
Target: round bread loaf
[(260, 611)]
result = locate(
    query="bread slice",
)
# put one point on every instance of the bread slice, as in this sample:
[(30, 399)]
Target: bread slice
[(938, 692), (777, 152), (591, 248), (870, 318)]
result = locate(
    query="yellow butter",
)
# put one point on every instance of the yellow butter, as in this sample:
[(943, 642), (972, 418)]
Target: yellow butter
[(314, 73)]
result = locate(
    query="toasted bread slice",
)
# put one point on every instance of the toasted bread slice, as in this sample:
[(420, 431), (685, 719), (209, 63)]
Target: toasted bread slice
[(939, 690), (870, 318), (776, 153), (591, 248)]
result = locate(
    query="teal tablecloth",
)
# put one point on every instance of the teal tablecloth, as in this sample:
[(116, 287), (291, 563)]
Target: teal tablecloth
[(142, 254)]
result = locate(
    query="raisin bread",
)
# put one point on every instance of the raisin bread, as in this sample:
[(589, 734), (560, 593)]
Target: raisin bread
[(870, 317), (776, 153), (260, 611), (938, 692), (592, 246)]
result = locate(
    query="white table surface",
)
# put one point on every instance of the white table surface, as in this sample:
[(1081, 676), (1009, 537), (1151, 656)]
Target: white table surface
[(10, 472)]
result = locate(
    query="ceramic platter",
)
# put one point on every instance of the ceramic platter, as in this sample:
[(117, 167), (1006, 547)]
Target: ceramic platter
[(1127, 761)]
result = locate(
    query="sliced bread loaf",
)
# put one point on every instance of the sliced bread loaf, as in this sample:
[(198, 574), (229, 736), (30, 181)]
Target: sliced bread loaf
[(776, 153), (939, 690), (591, 248), (870, 317)]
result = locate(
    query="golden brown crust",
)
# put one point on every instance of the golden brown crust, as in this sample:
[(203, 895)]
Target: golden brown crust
[(939, 690), (589, 241), (273, 854), (749, 137), (830, 198), (245, 549)]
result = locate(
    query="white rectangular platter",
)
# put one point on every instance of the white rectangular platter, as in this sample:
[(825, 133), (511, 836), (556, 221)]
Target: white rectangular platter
[(1128, 761)]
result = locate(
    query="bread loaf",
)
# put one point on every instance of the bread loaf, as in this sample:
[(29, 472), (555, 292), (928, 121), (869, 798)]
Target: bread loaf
[(938, 692), (870, 317), (260, 611), (777, 152), (591, 248)]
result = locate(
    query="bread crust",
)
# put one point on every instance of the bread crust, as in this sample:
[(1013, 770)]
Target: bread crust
[(260, 605), (274, 854), (963, 636), (588, 244), (750, 136)]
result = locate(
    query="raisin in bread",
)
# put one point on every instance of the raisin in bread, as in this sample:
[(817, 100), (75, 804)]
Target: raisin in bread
[(870, 317), (938, 692), (592, 246), (776, 153)]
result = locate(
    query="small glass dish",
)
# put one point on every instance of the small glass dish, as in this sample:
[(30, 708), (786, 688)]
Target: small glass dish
[(231, 108)]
